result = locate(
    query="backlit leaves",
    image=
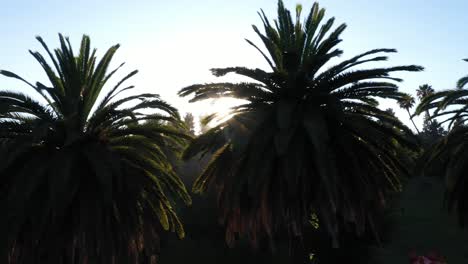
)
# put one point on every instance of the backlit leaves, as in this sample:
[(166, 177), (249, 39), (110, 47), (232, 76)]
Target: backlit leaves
[(309, 139), (87, 175)]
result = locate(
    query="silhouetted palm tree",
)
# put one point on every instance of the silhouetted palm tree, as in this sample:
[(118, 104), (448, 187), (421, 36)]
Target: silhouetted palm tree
[(422, 92), (450, 155), (307, 139), (407, 102), (85, 180)]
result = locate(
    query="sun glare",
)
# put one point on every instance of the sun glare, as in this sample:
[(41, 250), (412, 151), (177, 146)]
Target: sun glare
[(222, 107)]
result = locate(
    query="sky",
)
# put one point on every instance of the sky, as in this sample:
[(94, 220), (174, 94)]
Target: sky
[(174, 43)]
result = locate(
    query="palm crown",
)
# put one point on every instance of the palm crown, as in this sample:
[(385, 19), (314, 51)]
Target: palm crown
[(424, 90), (88, 174), (308, 139), (406, 101)]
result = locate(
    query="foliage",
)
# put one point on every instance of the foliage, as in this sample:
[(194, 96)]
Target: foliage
[(432, 132), (86, 180), (189, 122), (308, 139), (449, 154), (424, 90), (407, 102), (204, 242), (390, 111), (419, 223), (204, 121)]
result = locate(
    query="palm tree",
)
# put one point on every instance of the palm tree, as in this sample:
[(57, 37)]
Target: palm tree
[(85, 179), (307, 139), (422, 92), (448, 156), (407, 102)]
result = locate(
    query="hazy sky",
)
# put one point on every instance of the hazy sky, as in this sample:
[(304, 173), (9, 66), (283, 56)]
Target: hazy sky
[(174, 43)]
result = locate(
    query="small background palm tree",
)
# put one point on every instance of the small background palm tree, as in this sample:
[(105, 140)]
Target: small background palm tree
[(422, 92), (407, 102)]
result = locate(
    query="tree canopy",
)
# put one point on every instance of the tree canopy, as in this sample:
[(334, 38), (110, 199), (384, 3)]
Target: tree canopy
[(83, 178), (308, 139)]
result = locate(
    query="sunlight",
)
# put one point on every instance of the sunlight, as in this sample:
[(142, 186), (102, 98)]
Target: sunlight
[(221, 107)]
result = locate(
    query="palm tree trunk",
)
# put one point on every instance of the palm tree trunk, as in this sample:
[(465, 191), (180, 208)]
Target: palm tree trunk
[(427, 117), (411, 118)]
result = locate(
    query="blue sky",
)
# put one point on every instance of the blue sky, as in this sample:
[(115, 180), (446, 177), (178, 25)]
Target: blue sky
[(174, 43)]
